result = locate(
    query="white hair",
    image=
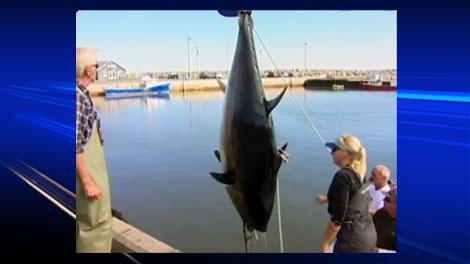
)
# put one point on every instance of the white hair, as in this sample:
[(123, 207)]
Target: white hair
[(85, 57)]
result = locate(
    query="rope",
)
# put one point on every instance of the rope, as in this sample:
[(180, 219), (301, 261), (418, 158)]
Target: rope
[(283, 152), (279, 217), (293, 95)]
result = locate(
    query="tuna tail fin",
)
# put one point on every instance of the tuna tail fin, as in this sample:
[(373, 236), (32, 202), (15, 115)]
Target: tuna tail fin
[(270, 105)]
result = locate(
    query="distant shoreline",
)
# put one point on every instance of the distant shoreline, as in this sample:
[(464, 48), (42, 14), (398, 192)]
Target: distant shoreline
[(98, 88)]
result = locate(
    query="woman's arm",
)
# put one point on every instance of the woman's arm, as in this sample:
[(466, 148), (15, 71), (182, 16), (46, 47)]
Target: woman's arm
[(330, 235), (321, 199), (338, 199)]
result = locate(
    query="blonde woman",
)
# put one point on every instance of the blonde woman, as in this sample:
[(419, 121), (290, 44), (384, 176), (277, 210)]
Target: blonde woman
[(348, 200)]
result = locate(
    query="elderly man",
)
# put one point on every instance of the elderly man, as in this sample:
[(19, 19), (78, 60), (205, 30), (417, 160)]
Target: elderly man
[(93, 201), (385, 221), (381, 179)]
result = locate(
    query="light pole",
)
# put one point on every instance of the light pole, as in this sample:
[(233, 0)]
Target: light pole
[(226, 57), (189, 58), (197, 61), (305, 59)]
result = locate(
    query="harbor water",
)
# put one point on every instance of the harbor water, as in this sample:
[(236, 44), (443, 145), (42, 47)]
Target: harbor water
[(160, 151)]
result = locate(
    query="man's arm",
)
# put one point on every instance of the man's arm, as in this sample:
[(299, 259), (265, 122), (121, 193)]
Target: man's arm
[(91, 189), (82, 170)]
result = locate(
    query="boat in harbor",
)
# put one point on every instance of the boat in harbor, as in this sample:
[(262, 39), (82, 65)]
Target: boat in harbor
[(148, 86), (376, 84), (379, 87)]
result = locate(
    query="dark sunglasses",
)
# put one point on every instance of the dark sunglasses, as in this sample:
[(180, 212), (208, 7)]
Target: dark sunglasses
[(95, 65), (334, 149)]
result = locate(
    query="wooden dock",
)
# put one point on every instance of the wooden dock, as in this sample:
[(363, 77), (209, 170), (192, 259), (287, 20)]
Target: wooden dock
[(128, 239)]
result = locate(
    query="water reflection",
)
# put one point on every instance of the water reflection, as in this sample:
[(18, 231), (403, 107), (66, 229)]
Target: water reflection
[(116, 105), (213, 95), (197, 95), (160, 153)]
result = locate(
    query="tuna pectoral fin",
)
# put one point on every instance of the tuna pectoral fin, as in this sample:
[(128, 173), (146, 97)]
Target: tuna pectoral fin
[(222, 85), (217, 154), (270, 105), (224, 178)]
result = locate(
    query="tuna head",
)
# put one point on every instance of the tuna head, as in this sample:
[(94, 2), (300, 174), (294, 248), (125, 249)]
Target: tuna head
[(245, 86)]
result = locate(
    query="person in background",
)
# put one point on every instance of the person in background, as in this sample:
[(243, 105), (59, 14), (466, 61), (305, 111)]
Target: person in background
[(348, 200), (93, 201), (380, 177), (385, 221)]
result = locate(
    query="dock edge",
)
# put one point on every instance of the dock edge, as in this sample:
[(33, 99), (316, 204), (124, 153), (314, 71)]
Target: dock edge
[(128, 239)]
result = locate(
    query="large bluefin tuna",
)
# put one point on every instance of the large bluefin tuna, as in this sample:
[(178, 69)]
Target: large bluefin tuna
[(248, 153)]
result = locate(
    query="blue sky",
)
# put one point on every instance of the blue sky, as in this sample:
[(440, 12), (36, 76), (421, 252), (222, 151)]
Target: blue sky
[(152, 41)]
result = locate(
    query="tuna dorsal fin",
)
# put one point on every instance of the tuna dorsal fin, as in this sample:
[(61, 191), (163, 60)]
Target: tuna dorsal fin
[(221, 85), (227, 178), (270, 105)]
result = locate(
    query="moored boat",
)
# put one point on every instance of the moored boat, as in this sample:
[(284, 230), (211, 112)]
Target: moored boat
[(379, 87), (377, 84), (147, 86)]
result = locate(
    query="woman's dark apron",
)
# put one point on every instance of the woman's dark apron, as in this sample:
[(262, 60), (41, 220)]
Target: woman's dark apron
[(357, 233)]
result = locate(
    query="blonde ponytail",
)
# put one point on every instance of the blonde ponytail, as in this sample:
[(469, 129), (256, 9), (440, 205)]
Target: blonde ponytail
[(358, 154), (359, 163)]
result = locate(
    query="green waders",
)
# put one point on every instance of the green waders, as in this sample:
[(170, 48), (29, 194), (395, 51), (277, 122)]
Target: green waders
[(94, 217)]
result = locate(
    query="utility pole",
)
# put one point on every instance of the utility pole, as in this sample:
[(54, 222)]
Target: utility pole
[(305, 60), (226, 57), (197, 61), (189, 58)]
